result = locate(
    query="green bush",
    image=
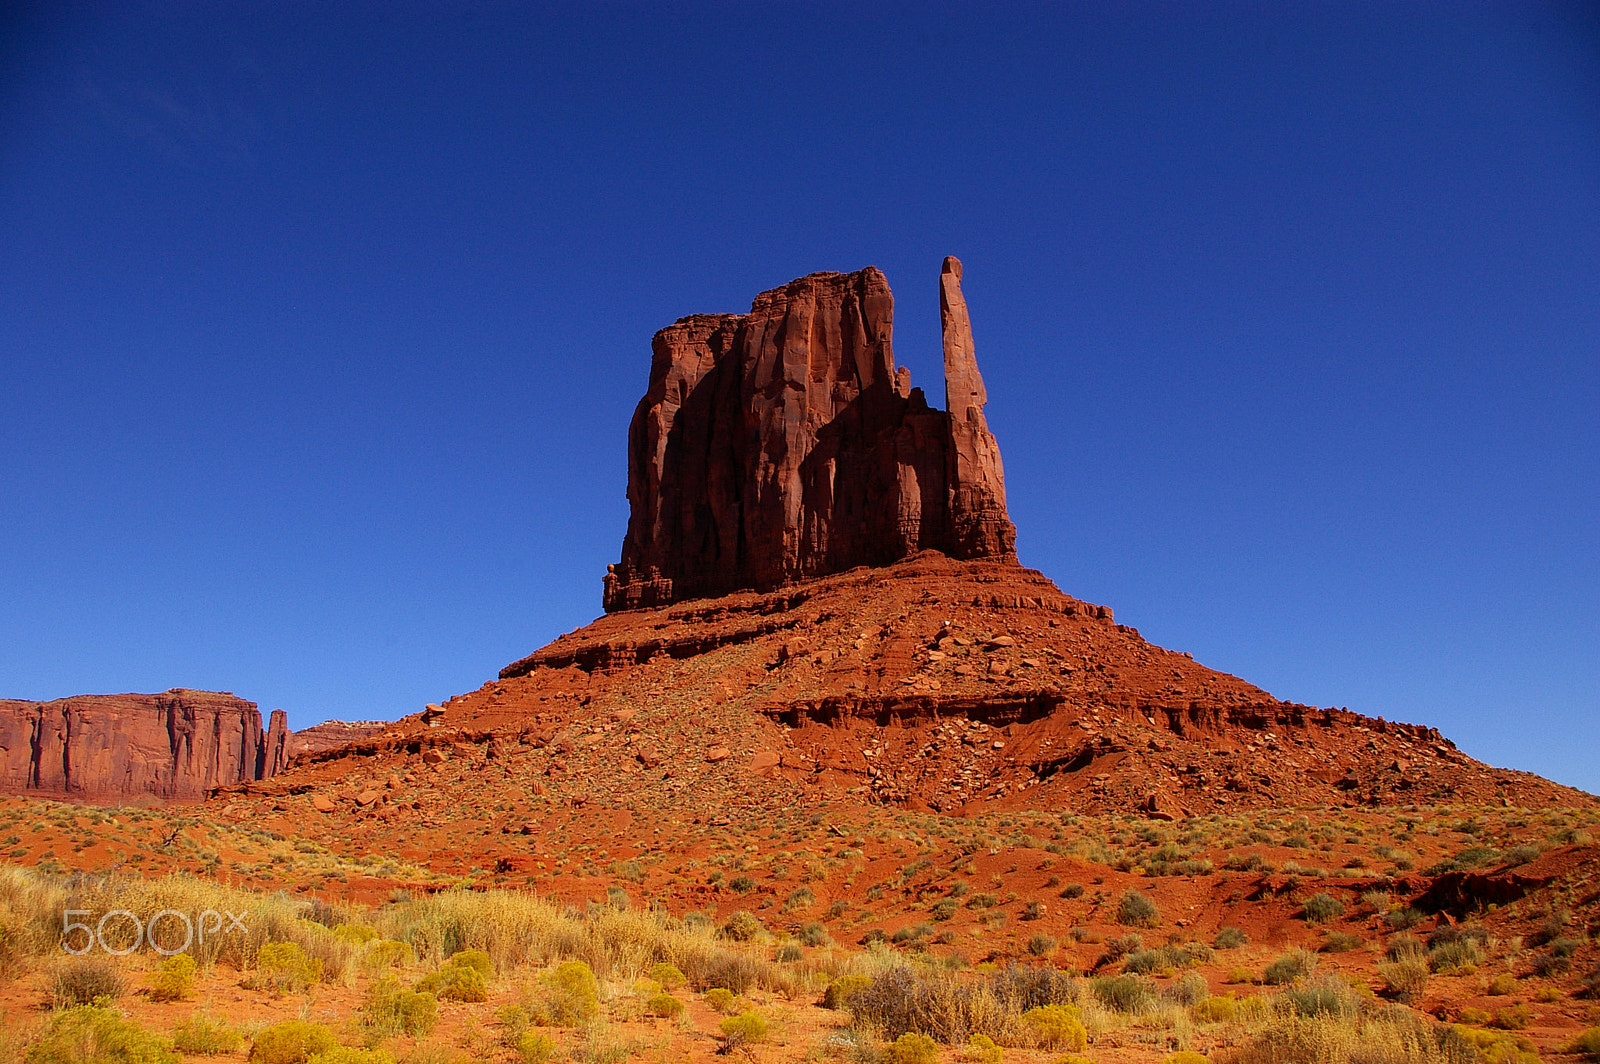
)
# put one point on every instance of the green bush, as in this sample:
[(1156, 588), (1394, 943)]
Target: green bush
[(1219, 1009), (349, 1055), (88, 1034), (535, 1047), (1231, 938), (1056, 1027), (1136, 910), (1041, 945), (981, 1049), (747, 1028), (571, 995), (86, 981), (722, 999), (464, 977), (200, 1036), (841, 990), (912, 1048), (174, 978), (664, 1005), (392, 1009), (1502, 984), (284, 968), (291, 1042), (1587, 1043), (668, 976), (1321, 907)]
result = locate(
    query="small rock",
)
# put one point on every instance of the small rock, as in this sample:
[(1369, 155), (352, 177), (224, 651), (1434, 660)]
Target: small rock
[(394, 783), (763, 761), (322, 803), (718, 753), (649, 756), (366, 798), (432, 757), (997, 745)]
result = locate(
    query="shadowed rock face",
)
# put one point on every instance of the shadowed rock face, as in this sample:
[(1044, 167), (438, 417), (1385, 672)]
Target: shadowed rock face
[(784, 444), (173, 745)]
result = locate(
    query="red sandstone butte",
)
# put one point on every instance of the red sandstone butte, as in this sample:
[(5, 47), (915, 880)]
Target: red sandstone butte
[(784, 444), (178, 744)]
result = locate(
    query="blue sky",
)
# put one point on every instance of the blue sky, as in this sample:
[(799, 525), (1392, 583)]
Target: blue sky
[(320, 326)]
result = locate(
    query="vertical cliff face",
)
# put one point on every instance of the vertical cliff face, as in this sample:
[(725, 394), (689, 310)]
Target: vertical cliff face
[(785, 444), (173, 745)]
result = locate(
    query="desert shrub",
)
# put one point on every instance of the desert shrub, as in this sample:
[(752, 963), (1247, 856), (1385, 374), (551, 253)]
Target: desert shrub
[(1034, 910), (726, 968), (1041, 945), (1473, 1016), (1321, 907), (1118, 947), (1512, 1018), (571, 994), (1521, 855), (1020, 989), (1055, 1027), (1296, 964), (202, 1037), (664, 1005), (912, 1048), (86, 981), (842, 989), (1190, 988), (1405, 978), (1502, 984), (1072, 890), (1587, 1043), (1405, 946), (1496, 1047), (290, 1042), (1186, 1056), (1219, 1009), (389, 953), (355, 934), (1340, 942), (981, 1049), (747, 1028), (667, 975), (391, 1009), (740, 927), (788, 953), (1321, 997), (514, 1020), (535, 1047), (1403, 919), (1230, 938), (174, 978), (1123, 993), (1376, 900), (722, 999), (351, 1055), (814, 934), (285, 968), (88, 1034), (1455, 955), (1136, 910), (1145, 962), (464, 977)]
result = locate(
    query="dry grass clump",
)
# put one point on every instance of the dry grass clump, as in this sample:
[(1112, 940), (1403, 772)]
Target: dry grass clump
[(87, 981), (1386, 1036)]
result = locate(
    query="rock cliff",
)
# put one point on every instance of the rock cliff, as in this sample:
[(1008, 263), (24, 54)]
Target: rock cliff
[(784, 444), (173, 745)]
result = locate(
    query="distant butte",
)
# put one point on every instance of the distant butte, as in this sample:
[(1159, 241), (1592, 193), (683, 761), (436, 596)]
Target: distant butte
[(784, 444)]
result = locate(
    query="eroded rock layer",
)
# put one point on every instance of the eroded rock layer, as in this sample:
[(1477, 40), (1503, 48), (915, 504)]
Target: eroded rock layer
[(178, 744), (784, 444)]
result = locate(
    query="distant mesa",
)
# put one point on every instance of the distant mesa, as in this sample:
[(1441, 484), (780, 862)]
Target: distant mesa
[(175, 745), (784, 444)]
